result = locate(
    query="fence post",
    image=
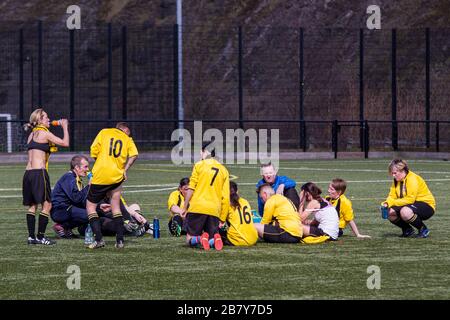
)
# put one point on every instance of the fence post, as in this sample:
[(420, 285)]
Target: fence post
[(334, 138), (427, 86), (437, 136), (21, 111), (361, 87), (124, 73), (109, 73), (366, 139), (40, 63), (72, 88), (241, 102), (302, 141), (175, 76), (394, 91)]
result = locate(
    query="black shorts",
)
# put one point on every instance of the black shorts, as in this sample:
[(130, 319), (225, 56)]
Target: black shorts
[(316, 231), (422, 209), (36, 187), (97, 192), (275, 234), (224, 235), (197, 223)]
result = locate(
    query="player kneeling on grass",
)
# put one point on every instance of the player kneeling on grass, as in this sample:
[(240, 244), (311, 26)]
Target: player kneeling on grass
[(69, 199), (280, 222), (240, 230), (175, 205), (326, 218), (209, 187), (409, 200), (343, 206)]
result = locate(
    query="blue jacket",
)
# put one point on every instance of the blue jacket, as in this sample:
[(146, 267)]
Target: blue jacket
[(288, 183), (69, 191)]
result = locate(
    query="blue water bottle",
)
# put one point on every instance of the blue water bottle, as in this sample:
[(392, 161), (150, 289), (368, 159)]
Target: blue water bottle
[(88, 235), (156, 228)]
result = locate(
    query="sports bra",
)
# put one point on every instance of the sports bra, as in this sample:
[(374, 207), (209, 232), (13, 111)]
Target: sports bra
[(37, 145)]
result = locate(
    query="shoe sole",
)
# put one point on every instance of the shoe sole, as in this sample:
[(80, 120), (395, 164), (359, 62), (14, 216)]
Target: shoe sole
[(96, 247), (204, 240), (218, 243)]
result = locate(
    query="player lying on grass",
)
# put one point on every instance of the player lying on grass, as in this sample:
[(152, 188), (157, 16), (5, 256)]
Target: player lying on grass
[(343, 206), (175, 205), (280, 222), (238, 229), (326, 219), (134, 222)]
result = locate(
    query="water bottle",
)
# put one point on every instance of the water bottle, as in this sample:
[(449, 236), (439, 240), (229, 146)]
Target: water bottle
[(56, 123), (156, 228), (89, 175), (88, 235)]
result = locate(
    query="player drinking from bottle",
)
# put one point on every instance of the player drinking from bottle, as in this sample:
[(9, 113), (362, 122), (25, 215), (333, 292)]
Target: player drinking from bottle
[(36, 182)]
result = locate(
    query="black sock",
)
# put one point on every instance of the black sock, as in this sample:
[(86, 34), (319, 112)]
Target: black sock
[(401, 224), (42, 224), (416, 222), (118, 221), (147, 226), (96, 229), (31, 224)]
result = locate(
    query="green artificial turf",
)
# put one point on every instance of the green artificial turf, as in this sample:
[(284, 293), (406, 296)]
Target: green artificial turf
[(166, 269)]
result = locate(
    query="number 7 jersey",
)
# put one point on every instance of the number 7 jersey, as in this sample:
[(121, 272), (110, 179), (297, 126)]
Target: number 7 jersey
[(111, 148), (211, 184)]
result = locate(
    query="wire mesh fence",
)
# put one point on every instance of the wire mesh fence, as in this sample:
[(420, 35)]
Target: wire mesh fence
[(249, 77)]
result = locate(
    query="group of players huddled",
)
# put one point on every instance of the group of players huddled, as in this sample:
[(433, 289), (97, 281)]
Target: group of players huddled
[(206, 207)]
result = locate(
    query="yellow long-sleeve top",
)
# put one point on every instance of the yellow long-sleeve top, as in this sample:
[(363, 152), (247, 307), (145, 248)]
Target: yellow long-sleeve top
[(280, 209), (210, 181), (176, 198), (344, 207), (409, 190), (241, 231)]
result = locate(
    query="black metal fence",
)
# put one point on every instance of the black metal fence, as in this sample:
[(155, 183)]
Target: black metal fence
[(339, 89)]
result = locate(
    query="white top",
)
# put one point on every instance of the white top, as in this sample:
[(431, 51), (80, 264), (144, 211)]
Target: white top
[(328, 219)]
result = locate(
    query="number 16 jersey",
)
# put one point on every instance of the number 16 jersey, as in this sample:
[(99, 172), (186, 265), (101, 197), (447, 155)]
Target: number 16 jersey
[(111, 148)]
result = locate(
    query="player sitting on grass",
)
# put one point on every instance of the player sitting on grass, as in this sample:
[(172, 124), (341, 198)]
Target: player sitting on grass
[(343, 206), (175, 205), (326, 218), (280, 222), (240, 230)]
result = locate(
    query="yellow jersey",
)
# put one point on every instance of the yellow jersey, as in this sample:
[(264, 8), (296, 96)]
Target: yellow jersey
[(111, 149), (211, 184), (411, 189), (241, 231), (281, 210), (175, 199), (344, 207)]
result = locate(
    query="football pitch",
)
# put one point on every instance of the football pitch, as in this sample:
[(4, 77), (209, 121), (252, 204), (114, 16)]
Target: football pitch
[(166, 269)]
